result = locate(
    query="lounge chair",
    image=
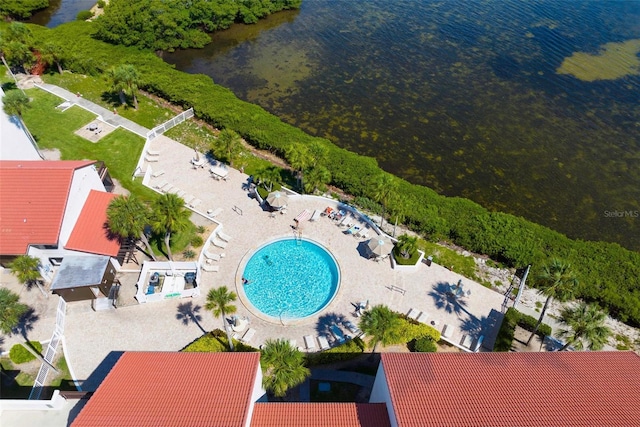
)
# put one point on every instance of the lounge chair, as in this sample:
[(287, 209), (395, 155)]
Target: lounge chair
[(212, 256), (364, 235), (293, 343), (188, 198), (214, 213), (153, 152), (352, 328), (316, 215), (322, 341), (476, 346), (194, 203), (337, 333), (211, 268), (157, 173), (160, 184), (422, 318), (223, 236), (246, 338), (447, 331), (353, 229), (149, 159), (309, 343), (413, 313), (328, 211), (466, 341), (218, 243), (239, 324)]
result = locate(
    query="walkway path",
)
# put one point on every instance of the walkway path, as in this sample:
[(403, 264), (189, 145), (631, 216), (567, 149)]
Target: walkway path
[(106, 115)]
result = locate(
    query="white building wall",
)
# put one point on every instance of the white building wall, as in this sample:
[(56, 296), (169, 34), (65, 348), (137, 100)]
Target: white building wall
[(257, 394), (380, 394), (84, 180)]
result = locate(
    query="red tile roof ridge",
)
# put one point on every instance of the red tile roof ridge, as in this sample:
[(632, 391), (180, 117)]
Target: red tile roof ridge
[(90, 233), (319, 414)]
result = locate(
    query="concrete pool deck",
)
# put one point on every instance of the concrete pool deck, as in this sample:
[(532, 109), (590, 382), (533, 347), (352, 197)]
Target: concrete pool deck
[(94, 338)]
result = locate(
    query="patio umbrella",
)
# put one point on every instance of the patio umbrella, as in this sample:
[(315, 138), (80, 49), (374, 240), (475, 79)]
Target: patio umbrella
[(380, 245), (277, 199)]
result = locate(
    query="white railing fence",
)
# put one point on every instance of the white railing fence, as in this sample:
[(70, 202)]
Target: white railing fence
[(50, 353)]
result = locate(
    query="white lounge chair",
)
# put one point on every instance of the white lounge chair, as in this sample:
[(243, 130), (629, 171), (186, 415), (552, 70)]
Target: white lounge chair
[(153, 152), (194, 203), (322, 341), (337, 333), (422, 318), (316, 215), (188, 198), (160, 184), (246, 338), (413, 313), (218, 243), (447, 331), (157, 173), (309, 343), (212, 256), (211, 268), (352, 328), (214, 213), (467, 341), (223, 236), (151, 159)]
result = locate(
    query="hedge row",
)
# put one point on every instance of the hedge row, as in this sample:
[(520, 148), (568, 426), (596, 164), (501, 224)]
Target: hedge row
[(608, 273)]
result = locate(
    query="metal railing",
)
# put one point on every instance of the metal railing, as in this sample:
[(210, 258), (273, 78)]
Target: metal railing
[(160, 129), (50, 353)]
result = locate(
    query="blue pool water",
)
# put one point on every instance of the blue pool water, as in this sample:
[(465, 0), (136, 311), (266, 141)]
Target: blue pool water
[(291, 279)]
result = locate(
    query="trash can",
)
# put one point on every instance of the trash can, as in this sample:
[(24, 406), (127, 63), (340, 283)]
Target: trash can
[(429, 259)]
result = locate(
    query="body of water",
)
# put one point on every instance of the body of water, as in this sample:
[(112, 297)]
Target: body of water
[(61, 11), (530, 108)]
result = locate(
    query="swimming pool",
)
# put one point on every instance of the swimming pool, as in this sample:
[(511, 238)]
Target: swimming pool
[(291, 279)]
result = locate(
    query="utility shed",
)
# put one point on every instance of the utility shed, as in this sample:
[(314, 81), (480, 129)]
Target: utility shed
[(84, 278)]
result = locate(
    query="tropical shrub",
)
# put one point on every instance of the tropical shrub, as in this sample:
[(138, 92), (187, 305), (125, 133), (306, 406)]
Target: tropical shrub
[(216, 341), (513, 318), (350, 349), (425, 345), (19, 354), (414, 330), (197, 241), (83, 15)]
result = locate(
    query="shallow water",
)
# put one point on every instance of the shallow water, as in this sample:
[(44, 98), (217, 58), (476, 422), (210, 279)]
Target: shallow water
[(470, 98), (464, 97)]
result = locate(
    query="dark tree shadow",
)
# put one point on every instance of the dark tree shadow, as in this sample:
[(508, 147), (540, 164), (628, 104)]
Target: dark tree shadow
[(189, 313), (323, 327), (112, 98), (486, 326), (8, 86), (445, 300), (99, 374), (25, 325)]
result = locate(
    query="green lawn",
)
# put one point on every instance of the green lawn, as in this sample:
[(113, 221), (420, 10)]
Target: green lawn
[(98, 90), (54, 129)]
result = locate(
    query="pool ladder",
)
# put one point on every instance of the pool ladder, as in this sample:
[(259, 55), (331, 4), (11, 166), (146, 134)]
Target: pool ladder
[(298, 236)]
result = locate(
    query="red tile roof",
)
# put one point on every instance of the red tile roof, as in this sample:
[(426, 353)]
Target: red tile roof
[(158, 389), (90, 233), (320, 415), (33, 197), (515, 389)]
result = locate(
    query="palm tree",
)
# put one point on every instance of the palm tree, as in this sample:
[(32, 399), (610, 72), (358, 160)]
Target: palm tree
[(382, 325), (230, 144), (219, 303), (11, 310), (556, 281), (407, 245), (25, 268), (52, 54), (300, 158), (317, 178), (268, 176), (283, 367), (584, 324), (125, 79), (383, 188), (128, 217), (169, 216), (15, 102)]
